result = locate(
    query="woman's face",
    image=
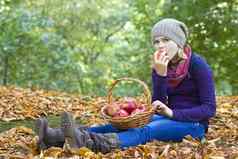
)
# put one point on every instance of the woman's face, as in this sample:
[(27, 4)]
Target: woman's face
[(162, 44)]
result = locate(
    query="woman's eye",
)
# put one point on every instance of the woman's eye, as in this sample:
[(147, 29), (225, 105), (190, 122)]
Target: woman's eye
[(156, 42), (165, 39)]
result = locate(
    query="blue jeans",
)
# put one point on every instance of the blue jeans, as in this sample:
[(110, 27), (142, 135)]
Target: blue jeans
[(160, 128)]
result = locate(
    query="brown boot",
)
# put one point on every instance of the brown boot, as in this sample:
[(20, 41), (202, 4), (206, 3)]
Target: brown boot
[(76, 136), (48, 137), (68, 128), (95, 141)]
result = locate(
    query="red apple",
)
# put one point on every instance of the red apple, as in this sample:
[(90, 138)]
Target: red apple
[(112, 109), (121, 113), (129, 105), (158, 55), (136, 111), (142, 108), (159, 52)]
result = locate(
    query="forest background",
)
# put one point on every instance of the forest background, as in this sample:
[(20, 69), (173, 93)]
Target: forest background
[(81, 46)]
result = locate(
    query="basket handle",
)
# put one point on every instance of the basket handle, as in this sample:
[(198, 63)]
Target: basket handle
[(146, 89)]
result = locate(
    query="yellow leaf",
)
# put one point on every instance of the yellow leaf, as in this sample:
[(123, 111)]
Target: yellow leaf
[(53, 152), (83, 151)]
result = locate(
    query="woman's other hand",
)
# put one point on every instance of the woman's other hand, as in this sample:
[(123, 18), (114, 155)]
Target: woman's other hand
[(162, 109)]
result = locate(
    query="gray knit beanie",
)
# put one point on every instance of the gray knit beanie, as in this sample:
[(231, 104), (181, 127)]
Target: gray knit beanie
[(172, 29)]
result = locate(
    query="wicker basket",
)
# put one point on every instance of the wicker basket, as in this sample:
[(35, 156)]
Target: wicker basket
[(132, 121)]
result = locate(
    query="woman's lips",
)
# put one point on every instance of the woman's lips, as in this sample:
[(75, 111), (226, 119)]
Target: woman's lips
[(160, 52)]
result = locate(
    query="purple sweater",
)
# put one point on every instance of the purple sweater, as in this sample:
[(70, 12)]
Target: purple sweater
[(193, 99)]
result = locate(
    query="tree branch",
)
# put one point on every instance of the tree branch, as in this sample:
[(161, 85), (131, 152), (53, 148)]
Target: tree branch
[(114, 32)]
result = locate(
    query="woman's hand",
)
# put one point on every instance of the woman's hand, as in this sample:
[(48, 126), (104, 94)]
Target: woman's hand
[(160, 62), (162, 109)]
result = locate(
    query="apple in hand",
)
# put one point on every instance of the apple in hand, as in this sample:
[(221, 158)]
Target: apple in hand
[(159, 52), (158, 55)]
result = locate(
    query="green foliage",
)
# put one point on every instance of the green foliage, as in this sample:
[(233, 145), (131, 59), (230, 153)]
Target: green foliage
[(213, 28), (81, 46), (214, 35)]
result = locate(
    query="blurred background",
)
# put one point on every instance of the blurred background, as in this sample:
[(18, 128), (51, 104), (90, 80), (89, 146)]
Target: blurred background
[(80, 46)]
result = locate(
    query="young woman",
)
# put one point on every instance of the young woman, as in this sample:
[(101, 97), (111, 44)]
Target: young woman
[(183, 95)]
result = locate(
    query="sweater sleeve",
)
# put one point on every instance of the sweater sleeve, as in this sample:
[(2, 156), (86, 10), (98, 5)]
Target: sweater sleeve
[(159, 87), (203, 78)]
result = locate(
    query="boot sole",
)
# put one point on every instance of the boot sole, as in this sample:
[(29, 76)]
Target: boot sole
[(67, 125)]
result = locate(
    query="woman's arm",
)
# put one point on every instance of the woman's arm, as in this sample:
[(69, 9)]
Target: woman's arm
[(159, 87), (202, 74)]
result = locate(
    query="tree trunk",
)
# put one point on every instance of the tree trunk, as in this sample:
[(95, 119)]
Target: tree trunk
[(5, 70)]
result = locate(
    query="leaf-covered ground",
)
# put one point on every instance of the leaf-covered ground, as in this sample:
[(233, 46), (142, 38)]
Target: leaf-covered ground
[(19, 142)]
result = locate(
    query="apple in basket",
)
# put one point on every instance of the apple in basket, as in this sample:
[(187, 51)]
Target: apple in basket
[(112, 110), (142, 107), (138, 110), (129, 105), (122, 113)]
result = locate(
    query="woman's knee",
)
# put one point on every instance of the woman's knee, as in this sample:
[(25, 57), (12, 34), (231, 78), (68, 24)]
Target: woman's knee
[(198, 131), (107, 128), (166, 130)]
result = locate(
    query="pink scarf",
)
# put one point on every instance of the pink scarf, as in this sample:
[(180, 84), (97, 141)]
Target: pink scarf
[(176, 75)]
